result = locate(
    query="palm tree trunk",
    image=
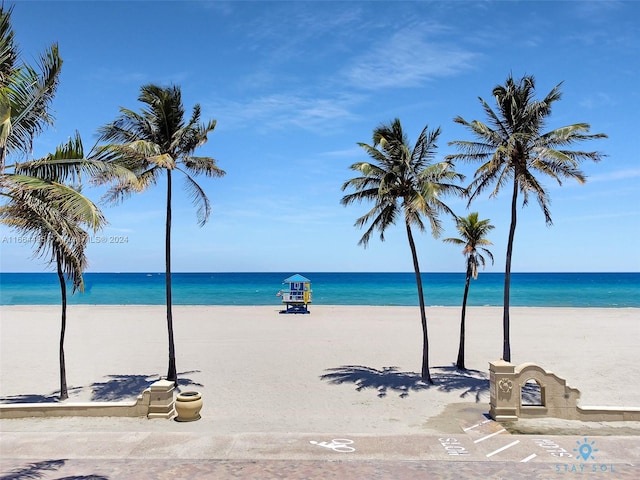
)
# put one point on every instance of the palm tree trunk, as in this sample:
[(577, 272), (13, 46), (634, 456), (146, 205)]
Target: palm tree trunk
[(63, 327), (426, 376), (460, 360), (172, 374), (506, 345), (3, 155)]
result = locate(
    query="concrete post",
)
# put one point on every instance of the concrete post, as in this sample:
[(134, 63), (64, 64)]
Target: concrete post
[(504, 391), (161, 403)]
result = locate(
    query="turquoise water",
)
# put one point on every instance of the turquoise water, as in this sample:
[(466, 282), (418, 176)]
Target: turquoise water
[(443, 289)]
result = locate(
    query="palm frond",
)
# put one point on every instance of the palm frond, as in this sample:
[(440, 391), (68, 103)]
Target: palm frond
[(71, 203), (198, 198), (455, 241), (63, 164), (30, 93), (128, 127), (381, 216), (67, 164), (8, 48), (52, 233), (202, 166), (124, 187)]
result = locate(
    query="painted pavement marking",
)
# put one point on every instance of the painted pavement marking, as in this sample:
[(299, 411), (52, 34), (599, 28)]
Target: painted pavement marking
[(476, 425), (337, 445), (552, 448), (453, 446), (502, 449), (488, 428), (482, 439)]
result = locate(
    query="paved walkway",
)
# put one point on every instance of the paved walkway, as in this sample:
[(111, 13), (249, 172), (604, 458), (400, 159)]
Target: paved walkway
[(480, 449)]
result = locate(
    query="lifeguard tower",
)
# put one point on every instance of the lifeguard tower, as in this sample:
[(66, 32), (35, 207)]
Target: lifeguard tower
[(297, 296)]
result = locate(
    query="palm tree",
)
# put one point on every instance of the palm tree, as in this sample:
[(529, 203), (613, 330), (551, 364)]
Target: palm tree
[(512, 148), (473, 232), (402, 180), (38, 202), (54, 215), (154, 141)]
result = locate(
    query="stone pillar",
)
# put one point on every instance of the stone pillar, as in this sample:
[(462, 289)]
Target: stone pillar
[(504, 391), (161, 404)]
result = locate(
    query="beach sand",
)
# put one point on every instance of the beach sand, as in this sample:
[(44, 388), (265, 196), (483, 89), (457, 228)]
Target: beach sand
[(344, 369)]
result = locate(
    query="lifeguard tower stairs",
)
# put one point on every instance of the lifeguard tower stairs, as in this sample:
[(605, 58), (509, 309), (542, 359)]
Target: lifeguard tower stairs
[(297, 295)]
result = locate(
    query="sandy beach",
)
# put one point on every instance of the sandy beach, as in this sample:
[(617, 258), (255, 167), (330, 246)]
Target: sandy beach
[(341, 368)]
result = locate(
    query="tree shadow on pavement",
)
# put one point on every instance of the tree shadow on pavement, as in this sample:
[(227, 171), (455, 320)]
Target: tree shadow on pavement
[(85, 477), (124, 387), (469, 382), (34, 470), (30, 398), (39, 469), (53, 397), (115, 388), (121, 387), (447, 379)]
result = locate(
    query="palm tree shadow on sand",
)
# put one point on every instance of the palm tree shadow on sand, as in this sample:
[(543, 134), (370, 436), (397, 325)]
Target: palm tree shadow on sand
[(115, 388), (447, 379), (122, 387)]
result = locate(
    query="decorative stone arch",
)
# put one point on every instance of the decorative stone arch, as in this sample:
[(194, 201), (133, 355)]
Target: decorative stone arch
[(528, 372), (556, 398), (507, 380)]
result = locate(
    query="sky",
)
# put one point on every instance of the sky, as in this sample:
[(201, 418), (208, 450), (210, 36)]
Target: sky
[(294, 86)]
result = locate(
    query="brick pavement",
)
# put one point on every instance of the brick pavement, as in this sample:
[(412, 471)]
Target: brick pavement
[(160, 469), (484, 450)]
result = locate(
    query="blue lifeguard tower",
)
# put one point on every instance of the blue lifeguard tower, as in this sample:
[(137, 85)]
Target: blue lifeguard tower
[(297, 296)]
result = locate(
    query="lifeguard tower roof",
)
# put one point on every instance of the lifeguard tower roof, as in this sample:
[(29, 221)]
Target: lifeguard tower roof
[(296, 278)]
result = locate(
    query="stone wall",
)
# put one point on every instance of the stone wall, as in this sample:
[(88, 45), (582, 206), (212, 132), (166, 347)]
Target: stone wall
[(508, 387), (155, 402)]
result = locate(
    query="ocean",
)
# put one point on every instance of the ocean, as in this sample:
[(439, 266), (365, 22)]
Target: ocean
[(615, 290)]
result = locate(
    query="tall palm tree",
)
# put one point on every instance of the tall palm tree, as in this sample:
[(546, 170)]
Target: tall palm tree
[(513, 148), (155, 141), (54, 216), (36, 200), (401, 180), (472, 232)]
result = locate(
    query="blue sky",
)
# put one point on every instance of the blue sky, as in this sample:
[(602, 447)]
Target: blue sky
[(295, 85)]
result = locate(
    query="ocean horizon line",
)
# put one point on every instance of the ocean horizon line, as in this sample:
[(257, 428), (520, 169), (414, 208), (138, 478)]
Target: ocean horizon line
[(288, 272), (311, 306), (571, 289)]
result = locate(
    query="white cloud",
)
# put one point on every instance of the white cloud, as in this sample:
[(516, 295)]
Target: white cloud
[(597, 100), (407, 59), (353, 152), (280, 111), (616, 175)]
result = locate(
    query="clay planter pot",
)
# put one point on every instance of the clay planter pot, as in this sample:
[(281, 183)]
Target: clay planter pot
[(188, 405)]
